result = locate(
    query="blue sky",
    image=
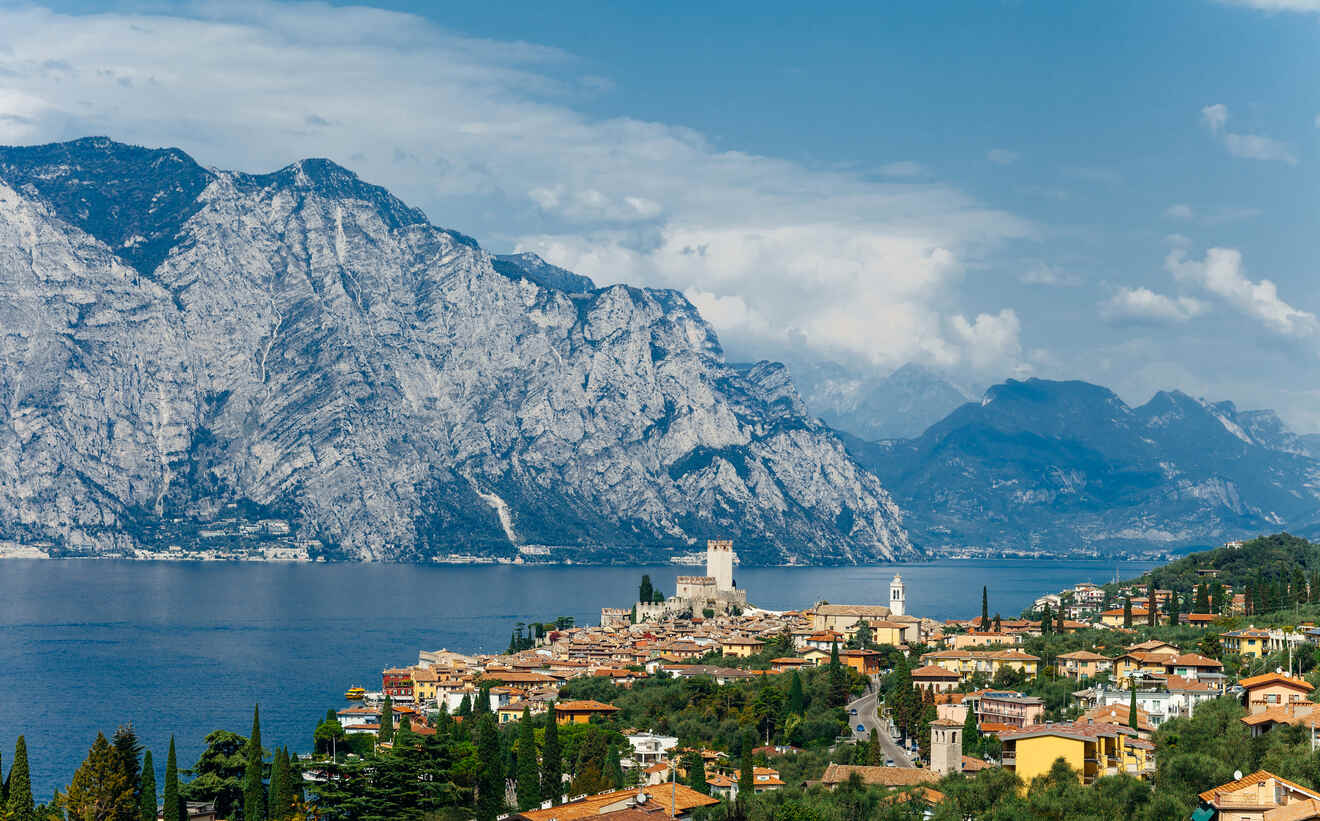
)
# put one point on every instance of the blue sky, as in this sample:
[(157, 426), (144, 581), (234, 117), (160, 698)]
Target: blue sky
[(1123, 192)]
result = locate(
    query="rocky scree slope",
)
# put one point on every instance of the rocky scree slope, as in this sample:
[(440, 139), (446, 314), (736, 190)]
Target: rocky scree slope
[(178, 343)]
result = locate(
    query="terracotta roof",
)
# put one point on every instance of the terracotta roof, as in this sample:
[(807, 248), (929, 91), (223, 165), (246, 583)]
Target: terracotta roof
[(879, 776), (974, 765), (933, 671), (1275, 678), (684, 799), (1084, 655), (1245, 781), (876, 610), (585, 705), (1118, 714), (1195, 660)]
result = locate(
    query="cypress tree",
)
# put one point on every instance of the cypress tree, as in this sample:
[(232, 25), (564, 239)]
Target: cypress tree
[(614, 767), (293, 791), (529, 783), (552, 765), (18, 799), (1150, 603), (838, 678), (1046, 621), (985, 610), (1132, 708), (746, 781), (1202, 599), (1127, 611), (277, 804), (147, 788), (173, 802), (971, 734), (797, 699), (490, 783), (696, 772), (386, 732), (1175, 609), (875, 756), (254, 789), (465, 706), (646, 592), (998, 623), (1058, 621), (482, 704)]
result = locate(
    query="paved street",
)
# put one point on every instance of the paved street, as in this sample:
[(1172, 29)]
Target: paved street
[(866, 716)]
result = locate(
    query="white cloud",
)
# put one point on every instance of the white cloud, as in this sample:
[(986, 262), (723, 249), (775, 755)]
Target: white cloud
[(1001, 156), (992, 340), (484, 135), (1247, 146), (1221, 273), (1180, 211), (1145, 305)]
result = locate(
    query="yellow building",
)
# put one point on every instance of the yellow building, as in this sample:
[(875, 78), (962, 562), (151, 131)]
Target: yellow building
[(740, 647), (1093, 750), (580, 712), (967, 663), (1246, 643), (425, 681)]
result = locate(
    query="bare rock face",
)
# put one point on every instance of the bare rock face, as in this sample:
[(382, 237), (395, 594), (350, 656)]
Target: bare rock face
[(182, 347)]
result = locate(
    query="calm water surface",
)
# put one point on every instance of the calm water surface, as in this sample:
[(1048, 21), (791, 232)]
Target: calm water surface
[(186, 648)]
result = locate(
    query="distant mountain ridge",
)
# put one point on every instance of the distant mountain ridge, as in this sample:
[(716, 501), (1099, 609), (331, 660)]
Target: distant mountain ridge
[(898, 405), (187, 352), (1068, 466)]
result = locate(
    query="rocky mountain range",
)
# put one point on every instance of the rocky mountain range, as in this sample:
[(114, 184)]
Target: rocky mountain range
[(1069, 467), (184, 351), (898, 405)]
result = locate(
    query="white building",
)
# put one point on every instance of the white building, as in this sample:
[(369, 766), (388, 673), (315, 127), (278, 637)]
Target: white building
[(897, 596), (649, 748)]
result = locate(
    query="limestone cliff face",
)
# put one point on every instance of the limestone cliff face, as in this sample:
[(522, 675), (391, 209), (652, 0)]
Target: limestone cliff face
[(177, 342)]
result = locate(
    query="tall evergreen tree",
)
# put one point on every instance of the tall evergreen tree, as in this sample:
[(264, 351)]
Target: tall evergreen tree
[(465, 706), (1217, 603), (18, 793), (173, 802), (127, 750), (529, 777), (280, 804), (875, 755), (482, 704), (985, 609), (1202, 598), (1046, 621), (614, 767), (490, 782), (386, 731), (1058, 621), (147, 788), (1150, 603), (746, 779), (971, 734), (552, 765), (838, 678), (797, 698), (1174, 610), (1132, 708), (646, 592), (100, 790), (254, 787), (1127, 611), (291, 792), (695, 768)]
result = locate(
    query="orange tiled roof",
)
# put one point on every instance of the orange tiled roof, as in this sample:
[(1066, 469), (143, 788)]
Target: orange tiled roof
[(683, 797), (1257, 777), (1275, 678)]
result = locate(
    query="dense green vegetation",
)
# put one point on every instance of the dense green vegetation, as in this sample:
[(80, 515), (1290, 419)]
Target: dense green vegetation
[(1275, 571)]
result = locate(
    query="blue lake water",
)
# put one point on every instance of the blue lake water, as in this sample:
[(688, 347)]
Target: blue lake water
[(186, 648)]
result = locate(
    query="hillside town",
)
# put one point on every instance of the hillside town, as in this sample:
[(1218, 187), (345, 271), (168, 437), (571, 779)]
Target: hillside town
[(983, 698)]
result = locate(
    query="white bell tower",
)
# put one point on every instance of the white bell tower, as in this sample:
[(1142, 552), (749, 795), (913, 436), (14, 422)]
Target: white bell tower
[(896, 597)]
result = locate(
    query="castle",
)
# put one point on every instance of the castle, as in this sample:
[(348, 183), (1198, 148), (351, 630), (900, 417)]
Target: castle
[(715, 591)]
